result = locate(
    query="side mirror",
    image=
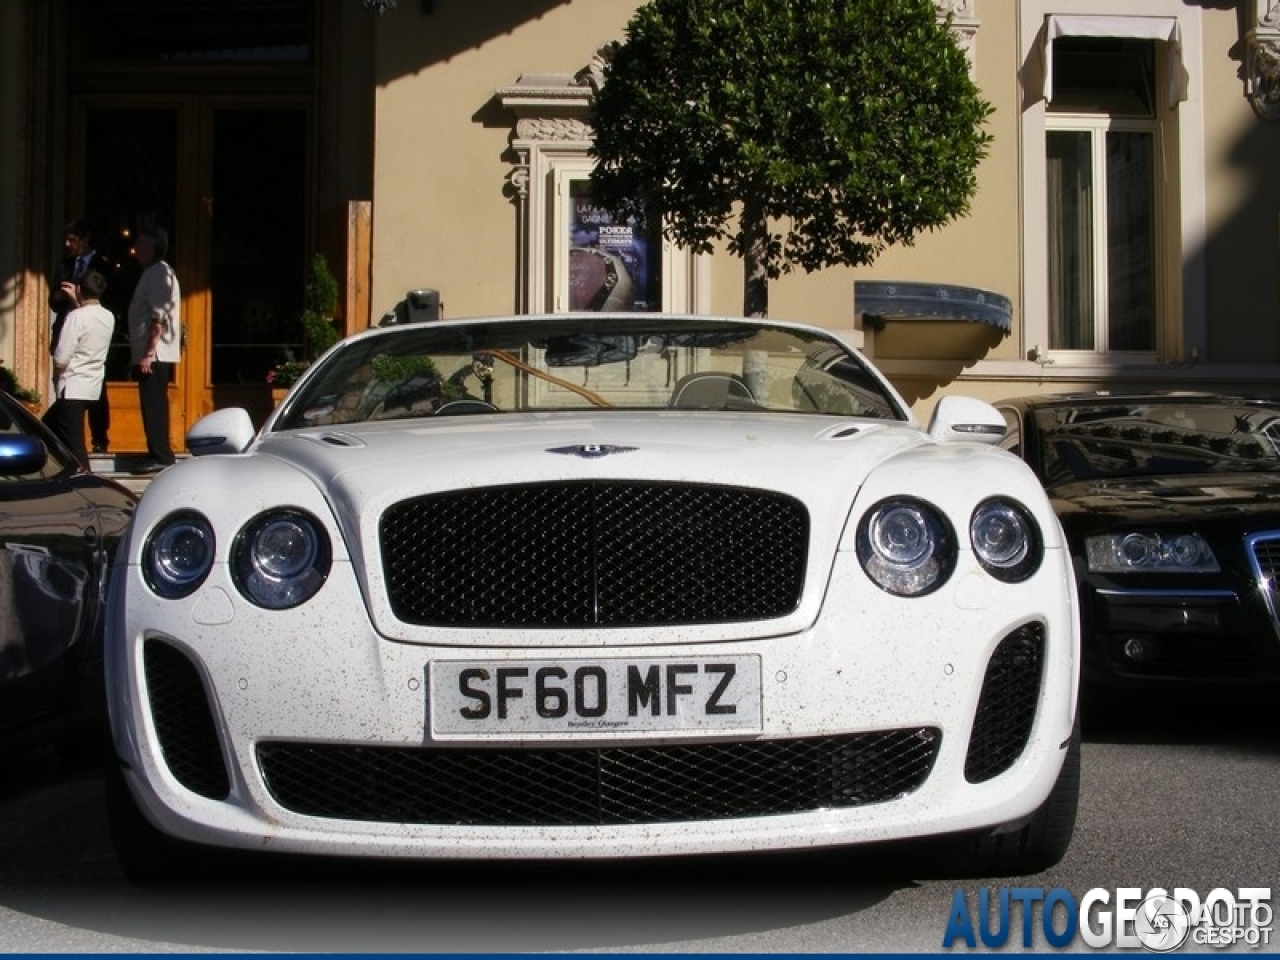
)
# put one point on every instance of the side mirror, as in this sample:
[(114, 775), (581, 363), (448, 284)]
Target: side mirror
[(20, 454), (957, 419), (223, 431)]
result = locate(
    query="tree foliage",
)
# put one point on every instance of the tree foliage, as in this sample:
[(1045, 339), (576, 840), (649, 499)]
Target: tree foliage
[(318, 330), (808, 133)]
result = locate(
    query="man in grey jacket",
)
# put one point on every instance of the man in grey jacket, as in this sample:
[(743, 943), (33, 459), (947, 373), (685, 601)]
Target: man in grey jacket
[(155, 343)]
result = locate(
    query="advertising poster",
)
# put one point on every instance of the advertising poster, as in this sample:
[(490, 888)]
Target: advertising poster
[(613, 266)]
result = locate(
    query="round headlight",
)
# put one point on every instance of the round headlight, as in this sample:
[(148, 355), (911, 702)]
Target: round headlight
[(1005, 540), (178, 555), (906, 547), (280, 559), (1139, 550), (1188, 550)]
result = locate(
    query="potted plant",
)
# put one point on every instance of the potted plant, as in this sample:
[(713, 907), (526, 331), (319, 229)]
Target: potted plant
[(29, 398), (318, 330)]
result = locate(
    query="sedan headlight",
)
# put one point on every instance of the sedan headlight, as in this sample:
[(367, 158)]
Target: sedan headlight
[(1149, 553), (1005, 540), (906, 547), (178, 555), (280, 559)]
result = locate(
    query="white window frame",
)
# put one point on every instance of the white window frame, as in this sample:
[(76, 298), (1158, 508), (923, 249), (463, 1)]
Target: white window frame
[(1098, 126), (677, 265), (1181, 164)]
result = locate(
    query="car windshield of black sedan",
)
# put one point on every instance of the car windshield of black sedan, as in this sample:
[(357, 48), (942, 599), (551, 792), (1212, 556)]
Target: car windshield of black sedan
[(1126, 439), (548, 364)]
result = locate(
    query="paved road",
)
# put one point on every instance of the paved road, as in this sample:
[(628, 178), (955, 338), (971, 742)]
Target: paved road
[(1188, 798)]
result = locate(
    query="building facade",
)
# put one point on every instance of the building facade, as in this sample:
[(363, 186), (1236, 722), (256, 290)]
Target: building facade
[(1125, 232)]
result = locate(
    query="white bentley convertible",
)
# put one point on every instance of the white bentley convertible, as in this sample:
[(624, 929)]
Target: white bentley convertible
[(593, 586)]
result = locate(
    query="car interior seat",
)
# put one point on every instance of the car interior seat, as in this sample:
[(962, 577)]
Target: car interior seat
[(711, 390)]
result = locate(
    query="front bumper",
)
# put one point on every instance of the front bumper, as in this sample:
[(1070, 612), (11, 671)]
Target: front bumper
[(308, 732), (1164, 637)]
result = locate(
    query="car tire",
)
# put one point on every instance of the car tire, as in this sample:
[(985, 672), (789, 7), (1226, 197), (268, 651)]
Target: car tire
[(1042, 840), (148, 857)]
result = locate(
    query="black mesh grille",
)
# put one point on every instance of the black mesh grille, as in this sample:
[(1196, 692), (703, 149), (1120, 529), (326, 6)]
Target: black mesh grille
[(1007, 706), (613, 785), (184, 722), (581, 554), (1266, 558)]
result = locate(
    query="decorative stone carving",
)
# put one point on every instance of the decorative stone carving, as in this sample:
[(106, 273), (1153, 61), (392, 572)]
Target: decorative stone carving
[(960, 8), (1262, 59), (552, 128), (1260, 42), (592, 75), (964, 25), (553, 111)]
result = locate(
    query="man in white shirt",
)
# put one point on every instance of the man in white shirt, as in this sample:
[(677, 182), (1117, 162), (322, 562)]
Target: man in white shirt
[(155, 342), (81, 257), (80, 362)]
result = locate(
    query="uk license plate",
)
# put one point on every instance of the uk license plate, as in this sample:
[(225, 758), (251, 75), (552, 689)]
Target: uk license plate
[(518, 697)]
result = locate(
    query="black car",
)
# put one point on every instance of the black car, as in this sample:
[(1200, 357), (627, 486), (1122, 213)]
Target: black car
[(1171, 506), (59, 527)]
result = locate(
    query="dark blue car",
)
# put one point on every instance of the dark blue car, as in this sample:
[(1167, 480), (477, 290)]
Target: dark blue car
[(59, 527)]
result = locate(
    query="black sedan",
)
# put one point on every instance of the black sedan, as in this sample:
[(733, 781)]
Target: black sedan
[(59, 527), (1171, 506)]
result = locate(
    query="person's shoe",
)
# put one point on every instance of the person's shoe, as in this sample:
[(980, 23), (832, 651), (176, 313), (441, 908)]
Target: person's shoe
[(99, 448), (150, 465)]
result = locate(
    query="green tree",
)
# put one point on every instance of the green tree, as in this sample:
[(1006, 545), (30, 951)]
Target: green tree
[(318, 330), (831, 128)]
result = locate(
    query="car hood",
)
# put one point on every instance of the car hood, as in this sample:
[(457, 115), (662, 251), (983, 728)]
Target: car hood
[(361, 465), (1172, 498)]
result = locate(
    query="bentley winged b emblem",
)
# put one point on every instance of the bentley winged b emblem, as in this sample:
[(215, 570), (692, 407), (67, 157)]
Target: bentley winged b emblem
[(590, 451)]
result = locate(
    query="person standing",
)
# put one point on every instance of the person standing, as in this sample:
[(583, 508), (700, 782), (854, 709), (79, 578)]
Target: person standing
[(155, 342), (81, 257), (80, 361)]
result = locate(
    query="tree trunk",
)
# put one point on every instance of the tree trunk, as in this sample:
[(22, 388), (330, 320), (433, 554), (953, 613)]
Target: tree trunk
[(755, 249)]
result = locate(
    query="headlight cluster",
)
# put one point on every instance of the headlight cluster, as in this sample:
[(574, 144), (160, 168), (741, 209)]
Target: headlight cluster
[(1149, 552), (908, 547), (1005, 540), (280, 559), (179, 555)]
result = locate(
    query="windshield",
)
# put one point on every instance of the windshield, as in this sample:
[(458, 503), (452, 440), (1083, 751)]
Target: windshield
[(1157, 438), (571, 362)]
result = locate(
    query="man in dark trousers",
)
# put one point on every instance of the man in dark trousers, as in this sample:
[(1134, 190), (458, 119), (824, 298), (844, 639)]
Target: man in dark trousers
[(81, 258), (155, 342)]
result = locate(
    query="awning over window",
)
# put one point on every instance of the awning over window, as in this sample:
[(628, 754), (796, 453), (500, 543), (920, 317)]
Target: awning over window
[(1128, 28), (879, 301)]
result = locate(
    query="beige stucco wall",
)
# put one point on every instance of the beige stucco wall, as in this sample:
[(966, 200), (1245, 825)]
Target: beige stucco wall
[(443, 216), (1243, 163)]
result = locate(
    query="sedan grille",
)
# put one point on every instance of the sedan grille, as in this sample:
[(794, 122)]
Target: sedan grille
[(594, 553), (584, 786), (1266, 561)]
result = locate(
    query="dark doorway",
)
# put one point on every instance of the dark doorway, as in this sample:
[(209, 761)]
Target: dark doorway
[(258, 241)]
